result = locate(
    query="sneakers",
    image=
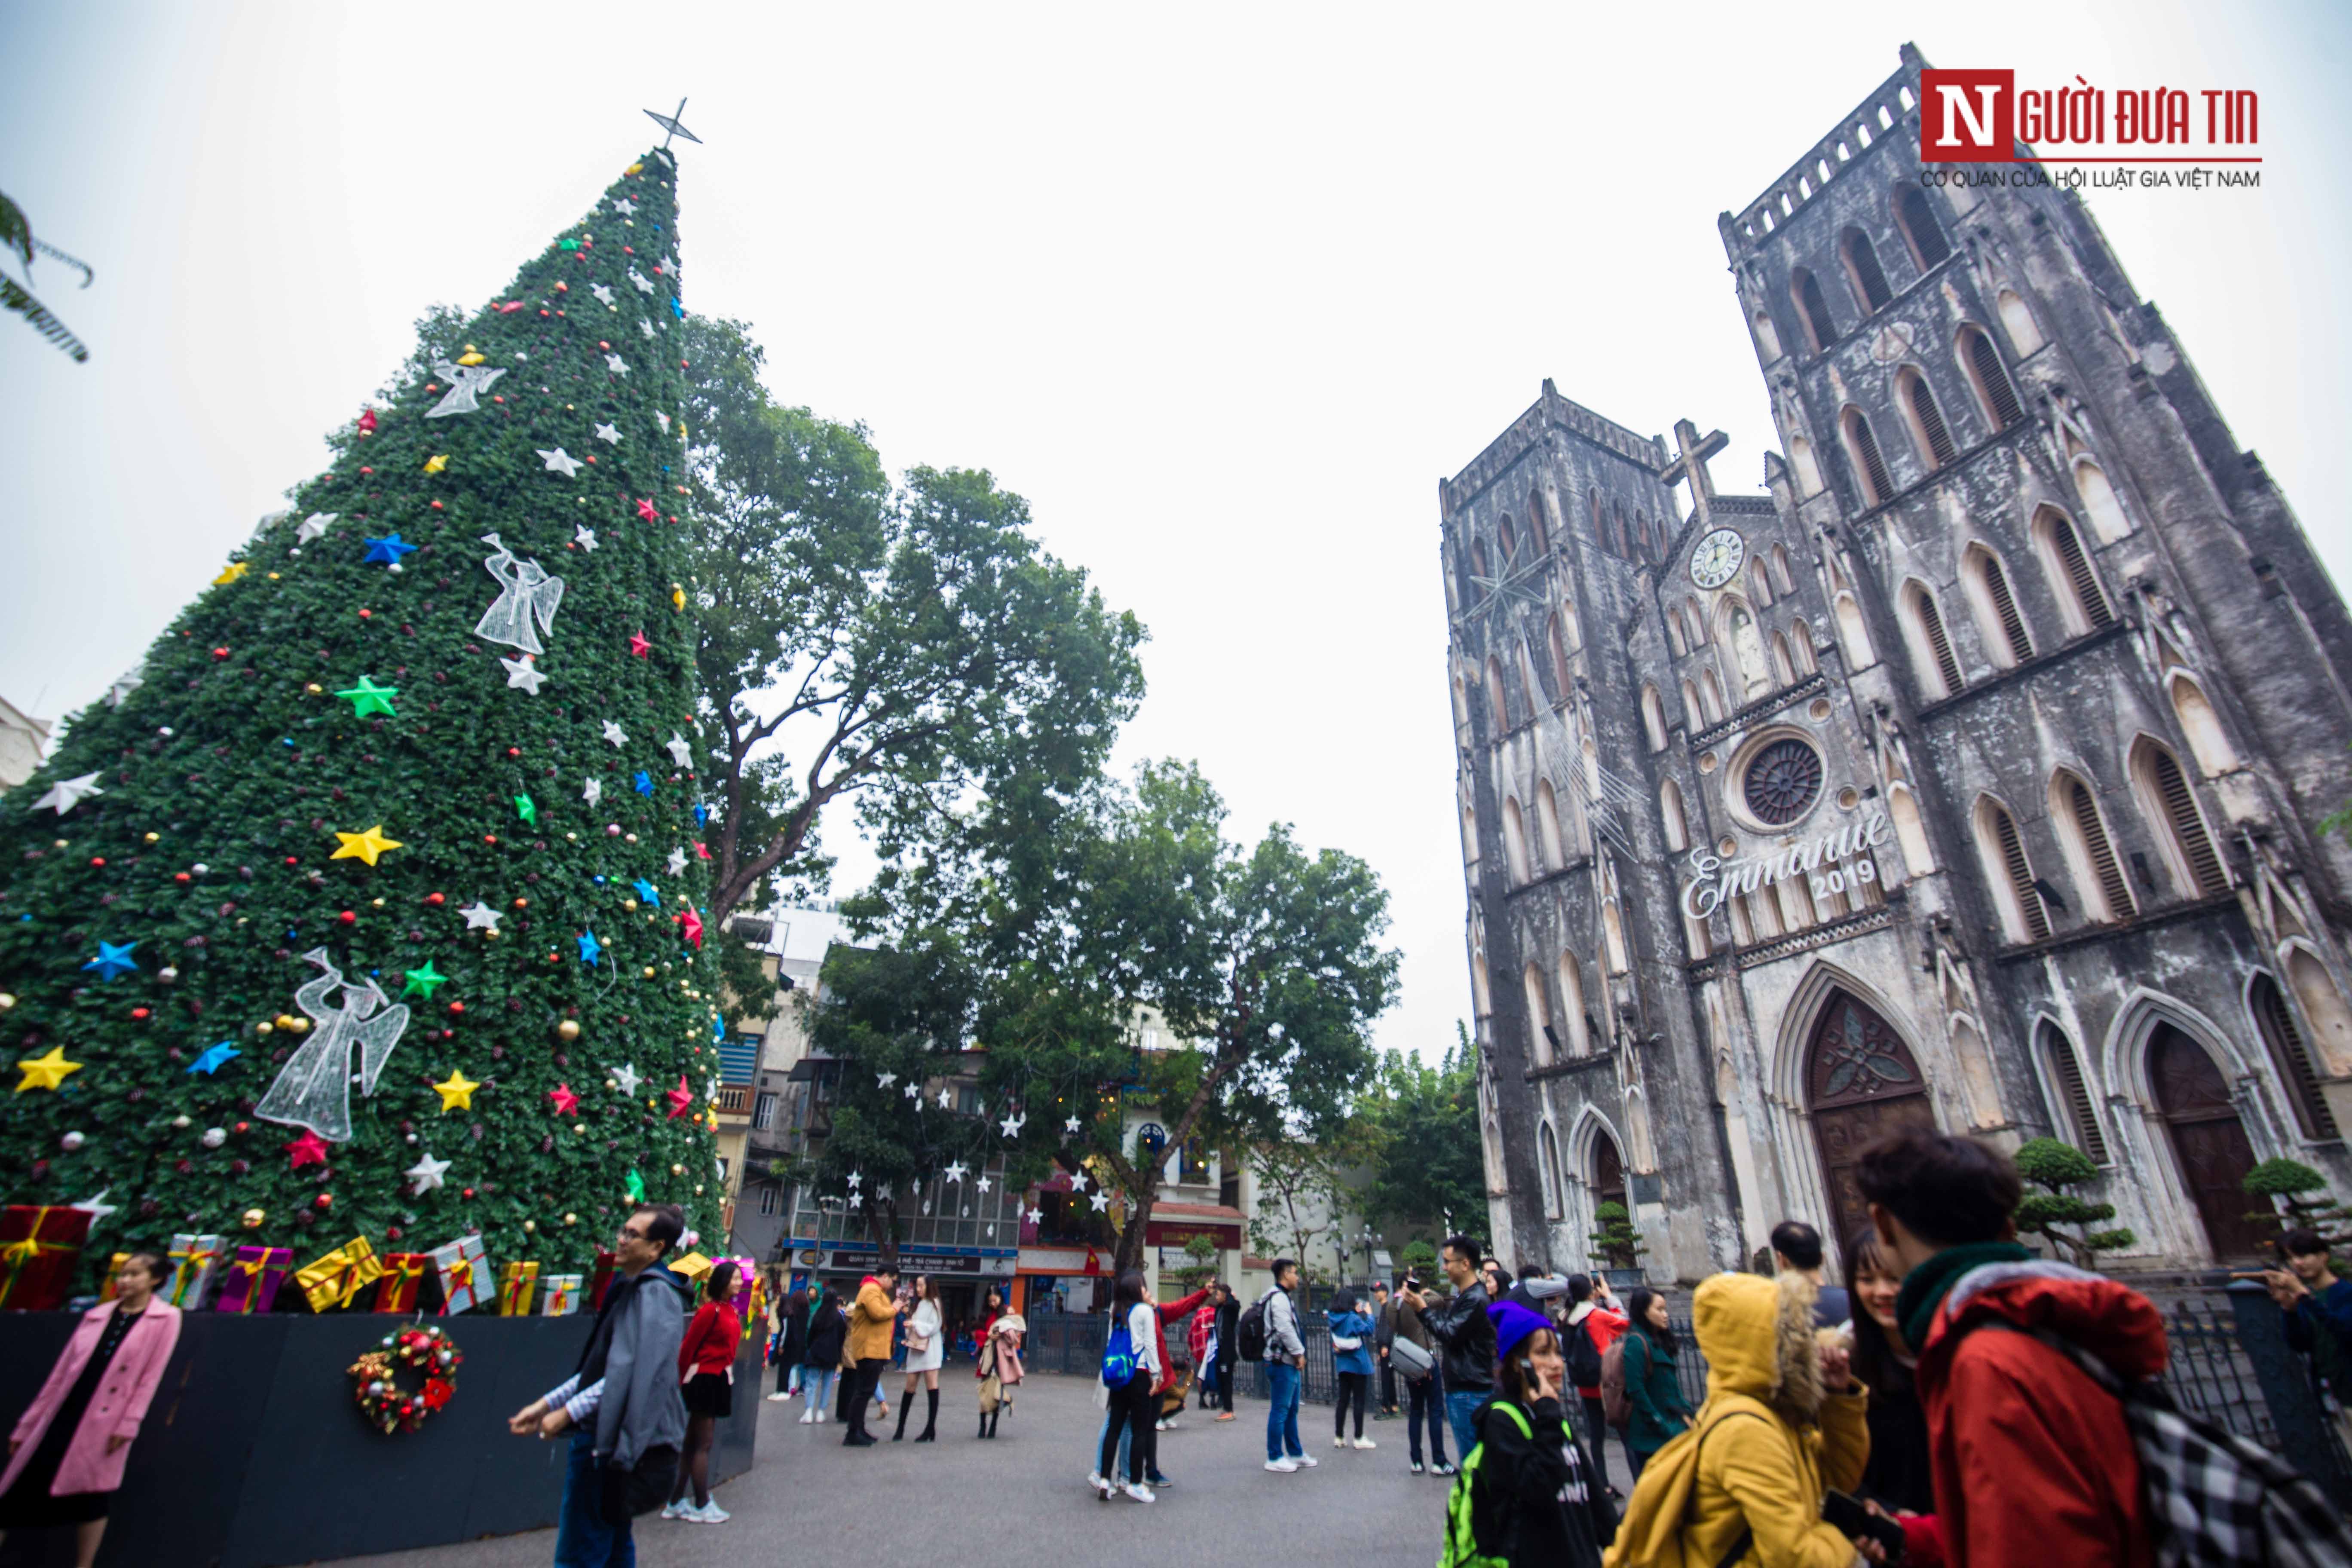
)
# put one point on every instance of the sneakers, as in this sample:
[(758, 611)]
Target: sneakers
[(708, 1513), (1416, 1467), (1141, 1494), (1282, 1467), (676, 1510), (1103, 1489), (1303, 1461), (1337, 1441), (1441, 1468), (778, 1398), (1366, 1443), (807, 1417), (1228, 1415), (1158, 1480)]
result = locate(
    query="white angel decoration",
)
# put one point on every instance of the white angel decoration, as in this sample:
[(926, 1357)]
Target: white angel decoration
[(314, 1088), (527, 594)]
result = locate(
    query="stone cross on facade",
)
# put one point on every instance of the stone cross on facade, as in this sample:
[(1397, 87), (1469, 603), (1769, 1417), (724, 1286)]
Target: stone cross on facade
[(1692, 466)]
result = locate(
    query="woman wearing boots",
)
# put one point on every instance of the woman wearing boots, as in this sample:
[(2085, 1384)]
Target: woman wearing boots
[(925, 1348), (993, 1361)]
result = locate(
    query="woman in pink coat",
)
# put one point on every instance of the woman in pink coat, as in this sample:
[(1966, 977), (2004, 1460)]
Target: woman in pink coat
[(66, 1453)]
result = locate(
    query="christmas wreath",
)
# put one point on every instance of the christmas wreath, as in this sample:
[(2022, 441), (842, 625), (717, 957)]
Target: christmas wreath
[(375, 1378)]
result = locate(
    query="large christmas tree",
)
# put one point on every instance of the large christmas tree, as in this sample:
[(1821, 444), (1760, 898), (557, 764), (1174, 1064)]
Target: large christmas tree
[(369, 902)]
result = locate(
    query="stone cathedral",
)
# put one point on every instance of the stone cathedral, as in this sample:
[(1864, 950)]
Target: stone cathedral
[(1974, 774)]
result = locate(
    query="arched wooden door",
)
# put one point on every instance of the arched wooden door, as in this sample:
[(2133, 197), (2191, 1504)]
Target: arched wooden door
[(1861, 1083), (2208, 1140)]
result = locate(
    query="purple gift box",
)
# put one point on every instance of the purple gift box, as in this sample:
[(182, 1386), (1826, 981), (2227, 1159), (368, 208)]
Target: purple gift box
[(249, 1283)]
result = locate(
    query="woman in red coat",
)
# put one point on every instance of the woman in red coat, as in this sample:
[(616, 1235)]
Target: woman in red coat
[(706, 1364), (66, 1453)]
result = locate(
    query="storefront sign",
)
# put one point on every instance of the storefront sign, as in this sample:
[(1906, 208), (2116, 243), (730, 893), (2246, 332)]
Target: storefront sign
[(1224, 1235), (866, 1260), (1821, 863)]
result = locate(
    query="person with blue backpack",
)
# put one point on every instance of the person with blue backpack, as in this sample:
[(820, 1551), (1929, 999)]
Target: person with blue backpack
[(1130, 1366), (1527, 1494)]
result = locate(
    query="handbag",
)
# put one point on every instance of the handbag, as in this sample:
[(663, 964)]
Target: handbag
[(1411, 1362), (626, 1491), (1346, 1341)]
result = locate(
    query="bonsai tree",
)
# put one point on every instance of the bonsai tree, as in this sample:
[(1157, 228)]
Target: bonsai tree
[(1421, 1259), (1200, 1267), (1616, 1244), (2058, 1215), (2299, 1198)]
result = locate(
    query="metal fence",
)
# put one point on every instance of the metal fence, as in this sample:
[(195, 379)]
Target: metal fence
[(1072, 1342)]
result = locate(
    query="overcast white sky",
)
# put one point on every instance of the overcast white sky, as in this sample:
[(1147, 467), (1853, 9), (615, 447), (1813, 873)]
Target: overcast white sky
[(1222, 290)]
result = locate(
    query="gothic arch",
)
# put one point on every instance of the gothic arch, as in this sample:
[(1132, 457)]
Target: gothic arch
[(2328, 1019), (2147, 1017), (2123, 1056), (1553, 847), (1804, 1009), (1548, 1163), (2295, 1060), (2209, 743)]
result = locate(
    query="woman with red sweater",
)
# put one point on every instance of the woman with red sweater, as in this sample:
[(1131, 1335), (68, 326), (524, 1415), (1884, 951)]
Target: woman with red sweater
[(706, 1366)]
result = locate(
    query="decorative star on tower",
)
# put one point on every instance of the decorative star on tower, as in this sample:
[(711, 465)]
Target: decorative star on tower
[(307, 1150), (45, 1071), (638, 646), (365, 846), (643, 783), (604, 292), (214, 1058), (524, 673), (479, 916), (677, 862), (560, 461), (592, 792), (96, 1206), (614, 364), (646, 511), (646, 891), (387, 551), (67, 793), (957, 1172), (456, 1092), (427, 1174), (423, 981), (591, 950), (368, 698), (681, 1098), (626, 1079), (563, 1099), (645, 327), (1010, 1127), (644, 284), (625, 207)]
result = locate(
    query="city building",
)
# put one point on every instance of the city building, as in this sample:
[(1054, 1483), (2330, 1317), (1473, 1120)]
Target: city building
[(23, 738), (1972, 772)]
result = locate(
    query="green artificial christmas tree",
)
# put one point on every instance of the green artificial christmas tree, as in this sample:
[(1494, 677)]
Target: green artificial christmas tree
[(371, 901)]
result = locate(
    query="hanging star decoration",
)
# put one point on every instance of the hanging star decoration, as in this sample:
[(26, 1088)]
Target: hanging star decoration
[(479, 916), (646, 511), (45, 1071), (427, 1174), (368, 698), (680, 750), (307, 1150), (625, 1077), (563, 1099), (643, 285), (213, 1059), (614, 733), (947, 1098), (591, 950), (113, 962), (456, 1092), (609, 433), (681, 1098), (1101, 1201), (584, 536), (96, 1206), (524, 673), (985, 1183), (638, 645), (645, 783), (614, 364), (231, 572), (387, 551), (1037, 1217), (604, 292), (1078, 1181), (468, 382), (914, 1091), (677, 862), (365, 846), (855, 1200), (625, 207), (67, 793), (423, 981), (645, 327), (1071, 1125), (885, 1079), (1010, 1127), (560, 461), (528, 809), (646, 891), (957, 1172), (314, 526), (592, 792), (636, 1184)]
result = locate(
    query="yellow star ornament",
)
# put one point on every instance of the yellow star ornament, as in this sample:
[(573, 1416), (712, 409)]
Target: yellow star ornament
[(365, 846), (230, 573), (438, 461), (45, 1072), (457, 1093)]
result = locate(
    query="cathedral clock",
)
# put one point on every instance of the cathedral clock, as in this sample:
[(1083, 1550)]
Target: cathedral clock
[(1717, 557)]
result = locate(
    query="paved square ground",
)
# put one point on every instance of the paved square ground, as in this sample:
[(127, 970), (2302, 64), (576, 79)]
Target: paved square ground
[(1022, 1499)]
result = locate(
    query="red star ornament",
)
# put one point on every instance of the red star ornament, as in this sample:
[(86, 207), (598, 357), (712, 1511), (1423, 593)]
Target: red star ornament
[(307, 1150), (638, 645), (681, 1098), (703, 850), (645, 512), (564, 1100), (691, 924), (367, 421)]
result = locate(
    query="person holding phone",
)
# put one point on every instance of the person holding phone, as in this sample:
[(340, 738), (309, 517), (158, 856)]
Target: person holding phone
[(2318, 1308), (1534, 1498), (1466, 1336), (925, 1349)]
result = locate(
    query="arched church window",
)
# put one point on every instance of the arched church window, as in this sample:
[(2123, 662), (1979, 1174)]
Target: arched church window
[(1768, 339), (2098, 874), (1515, 840), (1920, 230), (2017, 891), (1670, 807), (2078, 1113), (1861, 268), (1928, 431), (2100, 502), (1553, 846), (1536, 531), (1543, 1040), (1572, 1003), (1939, 665), (2071, 573), (2171, 805), (2004, 626), (1862, 444), (1812, 309), (2298, 1074), (1551, 1172), (2208, 741), (1499, 698), (1985, 374), (2017, 320), (1654, 718)]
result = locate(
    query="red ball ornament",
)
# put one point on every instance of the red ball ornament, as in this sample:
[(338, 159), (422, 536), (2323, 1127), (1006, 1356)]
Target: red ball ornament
[(469, 1192), (367, 614), (490, 838), (457, 1009), (325, 1200), (182, 877), (437, 900), (244, 1127), (348, 917), (392, 1233), (514, 751), (367, 470), (138, 1015), (97, 860), (220, 653), (606, 346), (436, 505), (291, 860)]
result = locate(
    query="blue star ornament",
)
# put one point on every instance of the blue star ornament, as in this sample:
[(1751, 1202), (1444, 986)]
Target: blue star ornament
[(677, 309), (213, 1059), (112, 961), (701, 815), (647, 892), (387, 551), (645, 783), (590, 948)]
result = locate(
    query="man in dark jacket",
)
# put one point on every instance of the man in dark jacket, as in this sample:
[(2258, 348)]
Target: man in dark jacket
[(622, 1400), (1384, 1312), (1466, 1339), (2318, 1308)]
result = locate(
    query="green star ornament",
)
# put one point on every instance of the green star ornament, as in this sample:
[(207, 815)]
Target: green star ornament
[(525, 809), (423, 980), (637, 1186), (368, 698)]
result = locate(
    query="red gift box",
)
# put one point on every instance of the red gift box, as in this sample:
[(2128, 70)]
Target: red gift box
[(599, 1282), (404, 1274), (38, 1249)]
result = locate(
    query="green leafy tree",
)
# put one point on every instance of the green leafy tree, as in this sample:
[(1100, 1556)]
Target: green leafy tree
[(1430, 1174), (2300, 1198), (1420, 1255), (2059, 1216), (16, 238), (233, 904), (1200, 1265), (1306, 1192), (1615, 1243)]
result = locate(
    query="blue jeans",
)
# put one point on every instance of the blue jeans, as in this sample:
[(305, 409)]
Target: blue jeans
[(1461, 1405), (1424, 1399), (582, 1539), (820, 1383), (1282, 1416)]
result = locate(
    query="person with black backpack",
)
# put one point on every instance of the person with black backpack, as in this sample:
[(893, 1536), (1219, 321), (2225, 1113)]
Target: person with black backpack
[(1269, 1332), (1594, 1323)]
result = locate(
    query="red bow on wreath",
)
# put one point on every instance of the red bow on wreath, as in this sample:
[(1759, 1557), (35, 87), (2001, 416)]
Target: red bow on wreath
[(436, 1393)]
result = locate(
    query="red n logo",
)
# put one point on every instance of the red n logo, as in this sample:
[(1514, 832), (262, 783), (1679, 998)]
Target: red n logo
[(1967, 117)]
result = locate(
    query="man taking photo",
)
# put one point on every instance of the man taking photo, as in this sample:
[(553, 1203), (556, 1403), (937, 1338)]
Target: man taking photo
[(2318, 1308), (1466, 1339)]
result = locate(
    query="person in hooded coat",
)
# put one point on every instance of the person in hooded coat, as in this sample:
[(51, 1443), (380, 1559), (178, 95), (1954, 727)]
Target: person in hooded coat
[(1783, 1424)]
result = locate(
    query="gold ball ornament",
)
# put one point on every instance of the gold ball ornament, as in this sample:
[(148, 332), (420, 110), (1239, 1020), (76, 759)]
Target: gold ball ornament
[(155, 839), (531, 1224), (649, 972), (253, 1218), (7, 1000), (314, 689), (264, 1027), (677, 1170), (567, 1030), (571, 1219)]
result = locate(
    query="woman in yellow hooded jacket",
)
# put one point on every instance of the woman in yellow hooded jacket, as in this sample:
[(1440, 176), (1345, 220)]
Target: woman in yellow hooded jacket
[(1783, 1423)]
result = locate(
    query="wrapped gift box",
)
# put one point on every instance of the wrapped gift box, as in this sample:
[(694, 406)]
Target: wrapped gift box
[(693, 1266), (465, 1275), (108, 1291), (517, 1282), (250, 1281), (328, 1284), (403, 1273), (559, 1295), (39, 1248), (747, 1281), (600, 1279), (195, 1268)]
